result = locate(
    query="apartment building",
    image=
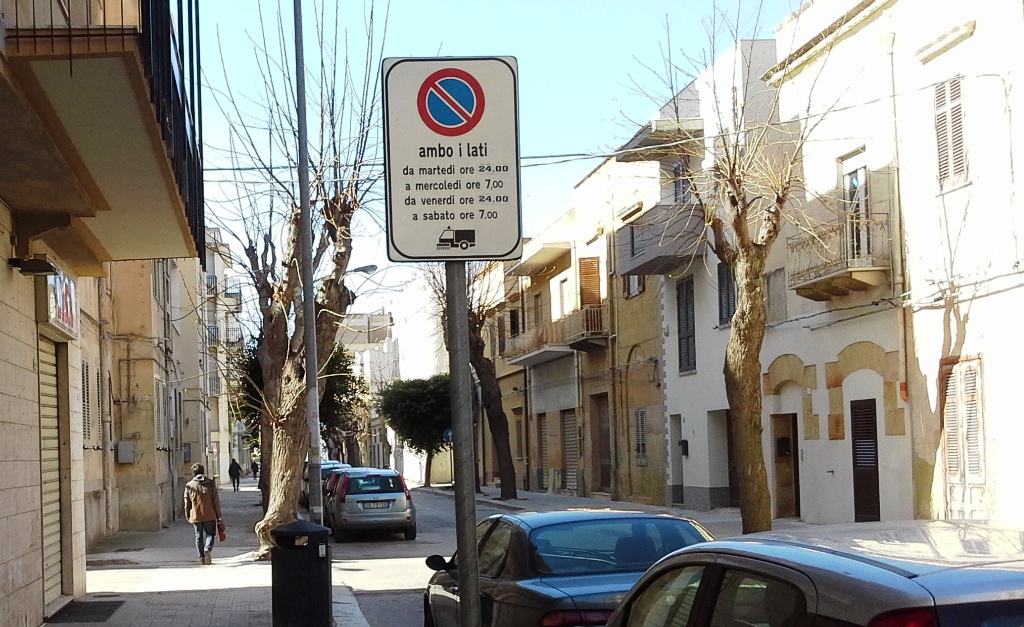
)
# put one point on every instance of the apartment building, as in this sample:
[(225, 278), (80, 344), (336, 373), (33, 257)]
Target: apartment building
[(933, 105), (99, 162)]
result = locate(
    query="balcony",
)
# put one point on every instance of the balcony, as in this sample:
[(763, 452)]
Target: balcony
[(213, 334), (542, 258), (662, 139), (99, 130), (585, 328), (851, 254), (538, 344), (664, 239)]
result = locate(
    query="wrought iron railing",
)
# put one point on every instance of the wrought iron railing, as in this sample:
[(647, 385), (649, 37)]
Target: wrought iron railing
[(162, 29), (856, 241), (588, 321), (535, 337)]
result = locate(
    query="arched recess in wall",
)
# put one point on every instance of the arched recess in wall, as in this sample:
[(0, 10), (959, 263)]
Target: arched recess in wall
[(864, 356), (790, 368)]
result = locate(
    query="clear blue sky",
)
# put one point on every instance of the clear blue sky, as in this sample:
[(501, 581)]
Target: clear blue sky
[(579, 63)]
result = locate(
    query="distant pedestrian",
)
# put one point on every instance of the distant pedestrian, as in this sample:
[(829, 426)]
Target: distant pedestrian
[(255, 469), (202, 509), (235, 472)]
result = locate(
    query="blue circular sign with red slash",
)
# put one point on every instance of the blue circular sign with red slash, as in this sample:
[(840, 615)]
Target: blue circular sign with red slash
[(451, 102)]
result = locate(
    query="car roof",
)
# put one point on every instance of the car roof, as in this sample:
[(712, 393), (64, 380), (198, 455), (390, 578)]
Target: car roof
[(362, 470), (535, 520), (953, 561)]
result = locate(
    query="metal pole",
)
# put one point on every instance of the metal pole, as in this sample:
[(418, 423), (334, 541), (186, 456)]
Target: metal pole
[(308, 293), (462, 437)]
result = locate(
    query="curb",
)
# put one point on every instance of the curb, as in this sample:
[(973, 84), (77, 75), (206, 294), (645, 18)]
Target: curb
[(482, 499), (344, 608)]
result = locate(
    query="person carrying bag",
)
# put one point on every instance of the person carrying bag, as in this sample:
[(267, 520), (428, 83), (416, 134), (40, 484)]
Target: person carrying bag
[(202, 509)]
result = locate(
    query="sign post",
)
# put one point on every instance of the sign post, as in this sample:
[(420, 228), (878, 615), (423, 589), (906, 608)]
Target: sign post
[(451, 170)]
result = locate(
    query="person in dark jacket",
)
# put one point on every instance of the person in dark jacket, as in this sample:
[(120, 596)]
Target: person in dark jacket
[(202, 509), (235, 472), (255, 469)]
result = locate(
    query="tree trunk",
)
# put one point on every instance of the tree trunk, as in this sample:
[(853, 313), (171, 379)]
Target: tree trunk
[(291, 443), (352, 453), (490, 398), (266, 459), (426, 470), (743, 389)]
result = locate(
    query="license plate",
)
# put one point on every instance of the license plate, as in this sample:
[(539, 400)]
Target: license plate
[(376, 504)]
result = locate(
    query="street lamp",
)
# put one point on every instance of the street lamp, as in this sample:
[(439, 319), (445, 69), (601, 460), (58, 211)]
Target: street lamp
[(364, 269)]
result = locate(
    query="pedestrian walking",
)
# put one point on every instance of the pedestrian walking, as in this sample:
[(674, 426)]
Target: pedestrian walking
[(255, 470), (202, 509), (235, 472)]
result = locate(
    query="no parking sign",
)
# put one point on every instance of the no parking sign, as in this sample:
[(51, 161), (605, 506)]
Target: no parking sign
[(451, 161)]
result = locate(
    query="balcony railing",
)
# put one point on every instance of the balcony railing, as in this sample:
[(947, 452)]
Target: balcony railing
[(535, 338), (82, 27), (585, 324), (856, 242), (213, 332)]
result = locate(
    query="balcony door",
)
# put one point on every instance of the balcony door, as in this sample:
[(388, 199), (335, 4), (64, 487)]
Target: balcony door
[(864, 430)]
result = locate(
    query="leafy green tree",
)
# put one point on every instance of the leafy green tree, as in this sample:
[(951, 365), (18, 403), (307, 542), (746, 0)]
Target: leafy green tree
[(419, 410)]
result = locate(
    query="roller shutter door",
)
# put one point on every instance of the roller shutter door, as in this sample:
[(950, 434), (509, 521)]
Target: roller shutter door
[(542, 428), (50, 468), (570, 450)]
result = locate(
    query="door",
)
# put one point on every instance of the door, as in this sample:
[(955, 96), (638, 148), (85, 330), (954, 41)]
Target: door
[(542, 443), (864, 429), (964, 442), (49, 449), (604, 441), (570, 450), (787, 471)]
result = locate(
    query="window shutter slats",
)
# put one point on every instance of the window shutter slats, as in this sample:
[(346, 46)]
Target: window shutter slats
[(590, 281), (956, 140), (973, 441), (686, 325), (949, 132), (86, 407), (952, 425), (942, 139)]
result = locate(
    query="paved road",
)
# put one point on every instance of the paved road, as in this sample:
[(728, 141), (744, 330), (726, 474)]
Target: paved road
[(387, 573)]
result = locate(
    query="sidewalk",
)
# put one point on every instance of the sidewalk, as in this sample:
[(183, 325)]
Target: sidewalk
[(154, 578)]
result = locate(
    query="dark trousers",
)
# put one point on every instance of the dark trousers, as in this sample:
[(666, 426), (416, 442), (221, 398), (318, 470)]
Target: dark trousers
[(234, 482), (206, 531)]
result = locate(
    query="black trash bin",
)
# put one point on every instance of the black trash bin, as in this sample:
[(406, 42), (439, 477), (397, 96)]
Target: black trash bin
[(301, 575)]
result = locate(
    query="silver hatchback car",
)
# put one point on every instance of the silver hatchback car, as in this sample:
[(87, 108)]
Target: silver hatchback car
[(371, 498), (905, 574)]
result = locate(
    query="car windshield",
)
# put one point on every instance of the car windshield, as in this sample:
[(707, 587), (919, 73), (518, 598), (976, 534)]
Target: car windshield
[(372, 484), (610, 545)]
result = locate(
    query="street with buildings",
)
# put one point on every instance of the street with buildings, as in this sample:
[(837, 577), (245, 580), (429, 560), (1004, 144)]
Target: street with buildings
[(891, 295)]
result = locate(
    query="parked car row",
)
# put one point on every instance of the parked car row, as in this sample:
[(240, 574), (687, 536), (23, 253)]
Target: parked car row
[(622, 569), (356, 499)]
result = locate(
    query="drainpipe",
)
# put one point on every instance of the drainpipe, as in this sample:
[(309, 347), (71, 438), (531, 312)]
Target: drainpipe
[(526, 426), (106, 406)]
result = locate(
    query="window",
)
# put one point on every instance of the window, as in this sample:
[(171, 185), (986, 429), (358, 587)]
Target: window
[(635, 246), (563, 298), (686, 324), (633, 285), (668, 600), (640, 427), (949, 133), (590, 281), (492, 336), (858, 225), (964, 438), (86, 403), (680, 183), (751, 599), (513, 323), (494, 550), (160, 412), (538, 316), (726, 293), (501, 333), (375, 484)]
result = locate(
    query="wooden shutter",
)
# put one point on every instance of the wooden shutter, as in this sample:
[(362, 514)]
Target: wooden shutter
[(686, 325), (951, 422), (640, 424), (590, 281), (726, 293), (864, 425), (949, 131), (501, 333), (963, 423)]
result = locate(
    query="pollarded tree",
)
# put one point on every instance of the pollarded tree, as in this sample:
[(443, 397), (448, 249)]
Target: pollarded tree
[(260, 209), (419, 410), (743, 171)]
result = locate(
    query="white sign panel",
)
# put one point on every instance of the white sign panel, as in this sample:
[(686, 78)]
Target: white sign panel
[(451, 160)]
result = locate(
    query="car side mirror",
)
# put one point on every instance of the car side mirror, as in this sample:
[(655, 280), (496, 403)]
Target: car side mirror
[(437, 562)]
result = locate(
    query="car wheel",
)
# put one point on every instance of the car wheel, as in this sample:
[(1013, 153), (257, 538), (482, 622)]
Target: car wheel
[(428, 619), (410, 533)]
